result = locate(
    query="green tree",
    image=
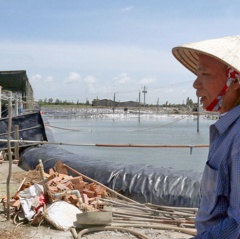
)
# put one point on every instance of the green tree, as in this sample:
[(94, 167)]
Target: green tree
[(50, 101), (40, 102), (57, 101)]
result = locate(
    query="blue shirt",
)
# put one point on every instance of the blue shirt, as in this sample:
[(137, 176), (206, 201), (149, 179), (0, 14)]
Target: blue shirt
[(219, 212)]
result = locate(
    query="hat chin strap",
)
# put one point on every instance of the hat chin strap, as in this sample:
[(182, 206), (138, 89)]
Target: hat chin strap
[(217, 103)]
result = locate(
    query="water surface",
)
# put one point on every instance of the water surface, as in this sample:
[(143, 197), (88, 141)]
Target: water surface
[(122, 129)]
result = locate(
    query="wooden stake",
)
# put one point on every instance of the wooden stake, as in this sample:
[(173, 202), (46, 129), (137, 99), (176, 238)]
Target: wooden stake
[(16, 151), (9, 153)]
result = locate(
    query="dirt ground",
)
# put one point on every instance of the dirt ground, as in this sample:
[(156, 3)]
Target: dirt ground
[(8, 230)]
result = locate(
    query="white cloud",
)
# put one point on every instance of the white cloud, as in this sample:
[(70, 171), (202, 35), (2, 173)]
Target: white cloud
[(123, 78), (73, 78), (39, 83)]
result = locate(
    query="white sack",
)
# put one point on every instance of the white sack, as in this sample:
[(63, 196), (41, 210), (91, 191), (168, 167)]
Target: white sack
[(61, 215)]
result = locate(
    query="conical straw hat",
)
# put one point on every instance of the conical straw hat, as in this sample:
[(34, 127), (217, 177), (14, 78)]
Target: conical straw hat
[(226, 49)]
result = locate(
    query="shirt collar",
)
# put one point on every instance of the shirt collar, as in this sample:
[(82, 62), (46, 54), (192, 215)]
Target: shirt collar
[(227, 119)]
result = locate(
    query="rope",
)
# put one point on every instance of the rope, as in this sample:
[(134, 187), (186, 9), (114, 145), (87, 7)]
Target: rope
[(155, 127), (34, 127), (75, 130)]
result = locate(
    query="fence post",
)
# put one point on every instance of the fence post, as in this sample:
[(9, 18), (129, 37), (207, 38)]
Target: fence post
[(9, 153)]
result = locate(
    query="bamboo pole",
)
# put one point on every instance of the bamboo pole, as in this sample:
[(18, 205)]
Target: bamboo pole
[(0, 101), (16, 104), (112, 145), (152, 145), (167, 212), (172, 209), (9, 153), (16, 151), (122, 219)]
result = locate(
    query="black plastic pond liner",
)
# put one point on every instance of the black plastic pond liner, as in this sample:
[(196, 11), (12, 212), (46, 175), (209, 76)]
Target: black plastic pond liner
[(31, 127), (142, 183)]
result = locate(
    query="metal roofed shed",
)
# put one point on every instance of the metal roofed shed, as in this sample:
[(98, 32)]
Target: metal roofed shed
[(17, 82), (30, 123)]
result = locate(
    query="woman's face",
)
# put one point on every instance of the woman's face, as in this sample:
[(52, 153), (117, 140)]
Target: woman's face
[(211, 78)]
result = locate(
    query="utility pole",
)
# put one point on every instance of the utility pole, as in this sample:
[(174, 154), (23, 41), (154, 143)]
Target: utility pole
[(144, 95), (139, 99), (86, 104), (113, 103)]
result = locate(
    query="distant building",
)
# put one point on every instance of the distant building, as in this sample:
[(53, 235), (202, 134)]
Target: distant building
[(17, 82), (111, 103), (102, 103)]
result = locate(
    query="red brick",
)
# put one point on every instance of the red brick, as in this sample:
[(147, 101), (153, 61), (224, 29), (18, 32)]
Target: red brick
[(62, 187), (51, 171), (85, 198), (80, 186), (53, 189), (73, 199), (12, 201), (76, 180), (17, 205), (68, 184), (89, 193), (67, 176)]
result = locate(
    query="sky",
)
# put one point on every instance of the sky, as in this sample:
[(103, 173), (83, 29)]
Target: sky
[(82, 50)]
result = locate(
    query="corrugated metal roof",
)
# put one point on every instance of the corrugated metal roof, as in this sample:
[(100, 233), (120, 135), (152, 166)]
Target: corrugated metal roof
[(17, 81), (14, 80)]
